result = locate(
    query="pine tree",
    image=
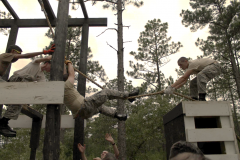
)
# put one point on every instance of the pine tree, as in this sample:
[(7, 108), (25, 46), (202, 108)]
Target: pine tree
[(154, 49)]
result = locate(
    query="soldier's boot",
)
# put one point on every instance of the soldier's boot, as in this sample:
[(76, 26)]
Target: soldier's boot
[(5, 130), (202, 96), (133, 93), (120, 117)]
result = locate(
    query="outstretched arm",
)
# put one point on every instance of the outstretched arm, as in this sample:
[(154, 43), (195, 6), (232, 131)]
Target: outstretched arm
[(70, 71), (30, 55), (109, 138), (182, 80), (82, 150)]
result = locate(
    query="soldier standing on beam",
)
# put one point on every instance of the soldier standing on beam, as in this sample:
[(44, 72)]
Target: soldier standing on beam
[(12, 55)]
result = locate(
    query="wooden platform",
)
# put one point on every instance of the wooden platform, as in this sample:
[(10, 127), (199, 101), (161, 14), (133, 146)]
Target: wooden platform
[(32, 92), (208, 125)]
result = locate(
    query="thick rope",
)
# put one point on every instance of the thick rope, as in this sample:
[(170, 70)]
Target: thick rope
[(88, 78), (48, 21)]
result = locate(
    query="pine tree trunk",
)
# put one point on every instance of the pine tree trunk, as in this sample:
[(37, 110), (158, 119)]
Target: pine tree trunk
[(120, 109)]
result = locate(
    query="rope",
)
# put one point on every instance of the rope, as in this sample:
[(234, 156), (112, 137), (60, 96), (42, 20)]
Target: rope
[(88, 78), (48, 21)]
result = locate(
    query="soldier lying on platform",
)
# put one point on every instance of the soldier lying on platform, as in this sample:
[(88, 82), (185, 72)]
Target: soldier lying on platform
[(89, 106), (205, 70), (32, 72), (182, 150)]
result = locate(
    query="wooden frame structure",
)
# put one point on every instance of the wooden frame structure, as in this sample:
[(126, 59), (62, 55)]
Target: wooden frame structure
[(52, 132)]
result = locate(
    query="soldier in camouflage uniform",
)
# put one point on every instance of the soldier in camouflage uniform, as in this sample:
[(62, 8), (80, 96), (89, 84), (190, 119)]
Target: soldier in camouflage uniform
[(87, 107), (12, 55), (205, 70)]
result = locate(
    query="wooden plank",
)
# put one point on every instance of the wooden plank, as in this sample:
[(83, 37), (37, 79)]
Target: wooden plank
[(211, 135), (223, 157), (72, 22), (225, 122), (32, 92), (204, 108), (24, 121)]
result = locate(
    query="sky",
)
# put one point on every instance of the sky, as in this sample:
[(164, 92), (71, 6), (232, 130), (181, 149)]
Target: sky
[(34, 39)]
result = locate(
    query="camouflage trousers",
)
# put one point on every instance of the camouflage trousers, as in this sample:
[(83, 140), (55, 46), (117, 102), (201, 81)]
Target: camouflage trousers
[(14, 110), (94, 104), (199, 83)]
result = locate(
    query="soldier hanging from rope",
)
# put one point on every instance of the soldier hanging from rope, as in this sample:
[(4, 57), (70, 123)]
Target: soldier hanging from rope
[(12, 55), (205, 70), (89, 106)]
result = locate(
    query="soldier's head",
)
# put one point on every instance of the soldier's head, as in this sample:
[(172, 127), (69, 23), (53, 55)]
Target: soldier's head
[(104, 153), (46, 66), (182, 150), (14, 49), (183, 63), (109, 156)]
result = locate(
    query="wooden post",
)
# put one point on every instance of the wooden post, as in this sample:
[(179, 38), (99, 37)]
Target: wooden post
[(79, 122), (35, 135), (11, 41), (51, 147)]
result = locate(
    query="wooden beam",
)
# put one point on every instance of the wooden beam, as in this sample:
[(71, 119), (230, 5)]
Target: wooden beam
[(35, 137), (72, 22), (31, 92), (79, 123), (24, 121), (49, 10), (32, 113), (10, 9), (84, 10), (51, 149)]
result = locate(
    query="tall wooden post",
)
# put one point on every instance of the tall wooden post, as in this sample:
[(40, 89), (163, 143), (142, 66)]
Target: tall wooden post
[(11, 41), (79, 122), (51, 147)]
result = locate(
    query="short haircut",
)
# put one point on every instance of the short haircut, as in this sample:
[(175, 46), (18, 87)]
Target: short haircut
[(47, 62), (182, 59), (109, 156), (183, 147), (9, 49)]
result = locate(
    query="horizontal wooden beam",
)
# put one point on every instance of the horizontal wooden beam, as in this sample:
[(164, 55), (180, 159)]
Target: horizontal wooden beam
[(72, 22), (10, 9), (23, 121), (32, 92)]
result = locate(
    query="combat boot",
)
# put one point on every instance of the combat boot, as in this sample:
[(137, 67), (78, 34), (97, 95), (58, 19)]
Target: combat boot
[(5, 130), (202, 96), (133, 93), (120, 117)]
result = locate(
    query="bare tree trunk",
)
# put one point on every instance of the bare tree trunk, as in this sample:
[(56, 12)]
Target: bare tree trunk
[(120, 109)]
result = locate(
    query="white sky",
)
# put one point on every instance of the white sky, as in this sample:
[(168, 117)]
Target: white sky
[(33, 39)]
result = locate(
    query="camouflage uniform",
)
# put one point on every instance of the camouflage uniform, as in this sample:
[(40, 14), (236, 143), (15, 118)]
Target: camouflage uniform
[(14, 110), (198, 84), (94, 104)]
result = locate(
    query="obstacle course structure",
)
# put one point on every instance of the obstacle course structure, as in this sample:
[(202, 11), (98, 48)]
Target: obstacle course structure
[(61, 22), (208, 125)]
